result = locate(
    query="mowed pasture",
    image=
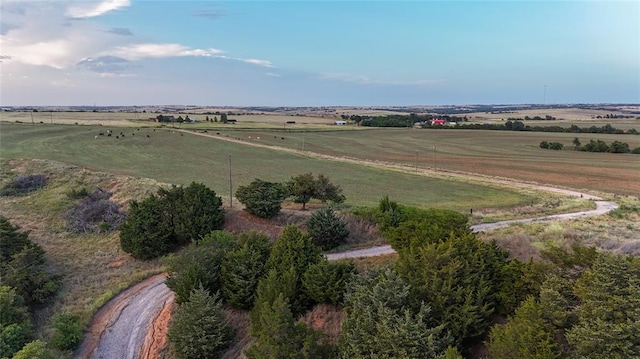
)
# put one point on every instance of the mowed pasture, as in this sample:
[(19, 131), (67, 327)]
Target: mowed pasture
[(172, 157), (493, 153)]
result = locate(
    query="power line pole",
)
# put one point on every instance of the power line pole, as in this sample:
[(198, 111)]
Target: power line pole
[(230, 185)]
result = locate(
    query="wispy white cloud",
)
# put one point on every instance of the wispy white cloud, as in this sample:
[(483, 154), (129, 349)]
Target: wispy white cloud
[(92, 9), (365, 80), (151, 50), (271, 74), (264, 63)]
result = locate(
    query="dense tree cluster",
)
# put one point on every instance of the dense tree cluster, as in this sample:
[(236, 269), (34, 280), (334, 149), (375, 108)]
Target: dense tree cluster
[(25, 286), (588, 307), (173, 217), (592, 146), (511, 125)]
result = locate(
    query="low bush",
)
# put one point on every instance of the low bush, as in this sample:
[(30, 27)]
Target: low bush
[(95, 213), (23, 185), (67, 331)]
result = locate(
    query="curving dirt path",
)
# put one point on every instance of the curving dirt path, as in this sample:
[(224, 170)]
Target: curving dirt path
[(131, 325), (134, 324)]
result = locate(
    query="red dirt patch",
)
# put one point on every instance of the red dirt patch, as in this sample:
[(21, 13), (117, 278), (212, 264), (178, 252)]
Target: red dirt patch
[(116, 263), (156, 339)]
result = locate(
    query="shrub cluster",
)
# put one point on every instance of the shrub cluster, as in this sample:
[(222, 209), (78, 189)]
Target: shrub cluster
[(23, 185), (173, 217), (95, 213), (264, 199), (551, 145)]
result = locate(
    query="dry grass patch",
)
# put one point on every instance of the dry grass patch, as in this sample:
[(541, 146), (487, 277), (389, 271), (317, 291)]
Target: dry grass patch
[(93, 266), (618, 232)]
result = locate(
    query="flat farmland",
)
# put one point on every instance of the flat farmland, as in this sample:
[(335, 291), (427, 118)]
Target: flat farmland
[(493, 153), (169, 156), (140, 119)]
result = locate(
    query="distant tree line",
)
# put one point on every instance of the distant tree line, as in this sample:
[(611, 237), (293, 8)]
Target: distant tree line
[(593, 146), (399, 120), (517, 125)]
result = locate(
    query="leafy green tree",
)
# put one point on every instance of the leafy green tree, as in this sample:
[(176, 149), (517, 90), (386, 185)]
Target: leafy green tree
[(262, 198), (199, 266), (13, 337), (242, 269), (544, 144), (15, 323), (619, 147), (576, 143), (325, 282), (519, 281), (326, 229), (302, 187), (327, 191), (199, 328), (379, 321), (67, 331), (526, 335), (36, 349), (223, 118)]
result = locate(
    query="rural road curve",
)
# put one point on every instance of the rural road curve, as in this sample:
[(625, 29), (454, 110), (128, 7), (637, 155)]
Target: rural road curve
[(134, 324)]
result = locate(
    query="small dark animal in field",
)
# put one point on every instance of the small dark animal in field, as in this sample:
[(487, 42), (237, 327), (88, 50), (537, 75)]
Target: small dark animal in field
[(218, 133), (148, 136), (154, 130), (138, 129), (133, 134), (117, 136), (181, 134), (109, 135), (282, 138), (101, 134)]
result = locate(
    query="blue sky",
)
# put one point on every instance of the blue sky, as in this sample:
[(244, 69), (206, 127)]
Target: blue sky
[(318, 53)]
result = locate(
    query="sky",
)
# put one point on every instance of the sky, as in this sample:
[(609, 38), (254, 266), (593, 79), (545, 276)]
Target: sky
[(318, 53)]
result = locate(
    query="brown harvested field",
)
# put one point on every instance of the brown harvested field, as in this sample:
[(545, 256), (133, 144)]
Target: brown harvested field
[(493, 153), (565, 117)]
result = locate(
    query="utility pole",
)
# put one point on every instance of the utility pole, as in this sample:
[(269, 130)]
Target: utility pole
[(230, 185)]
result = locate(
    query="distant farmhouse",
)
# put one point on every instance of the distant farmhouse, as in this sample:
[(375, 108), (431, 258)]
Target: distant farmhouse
[(437, 122), (341, 123)]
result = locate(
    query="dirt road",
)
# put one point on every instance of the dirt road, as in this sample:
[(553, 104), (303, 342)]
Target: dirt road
[(131, 325)]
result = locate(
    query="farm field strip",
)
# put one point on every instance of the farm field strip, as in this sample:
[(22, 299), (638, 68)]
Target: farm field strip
[(170, 157), (492, 153)]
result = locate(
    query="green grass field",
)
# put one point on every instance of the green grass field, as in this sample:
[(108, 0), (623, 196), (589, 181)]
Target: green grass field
[(168, 156)]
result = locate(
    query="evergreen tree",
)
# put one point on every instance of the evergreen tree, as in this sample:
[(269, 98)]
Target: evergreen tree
[(325, 282), (262, 198), (379, 322), (526, 335), (199, 329), (326, 229), (242, 268)]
